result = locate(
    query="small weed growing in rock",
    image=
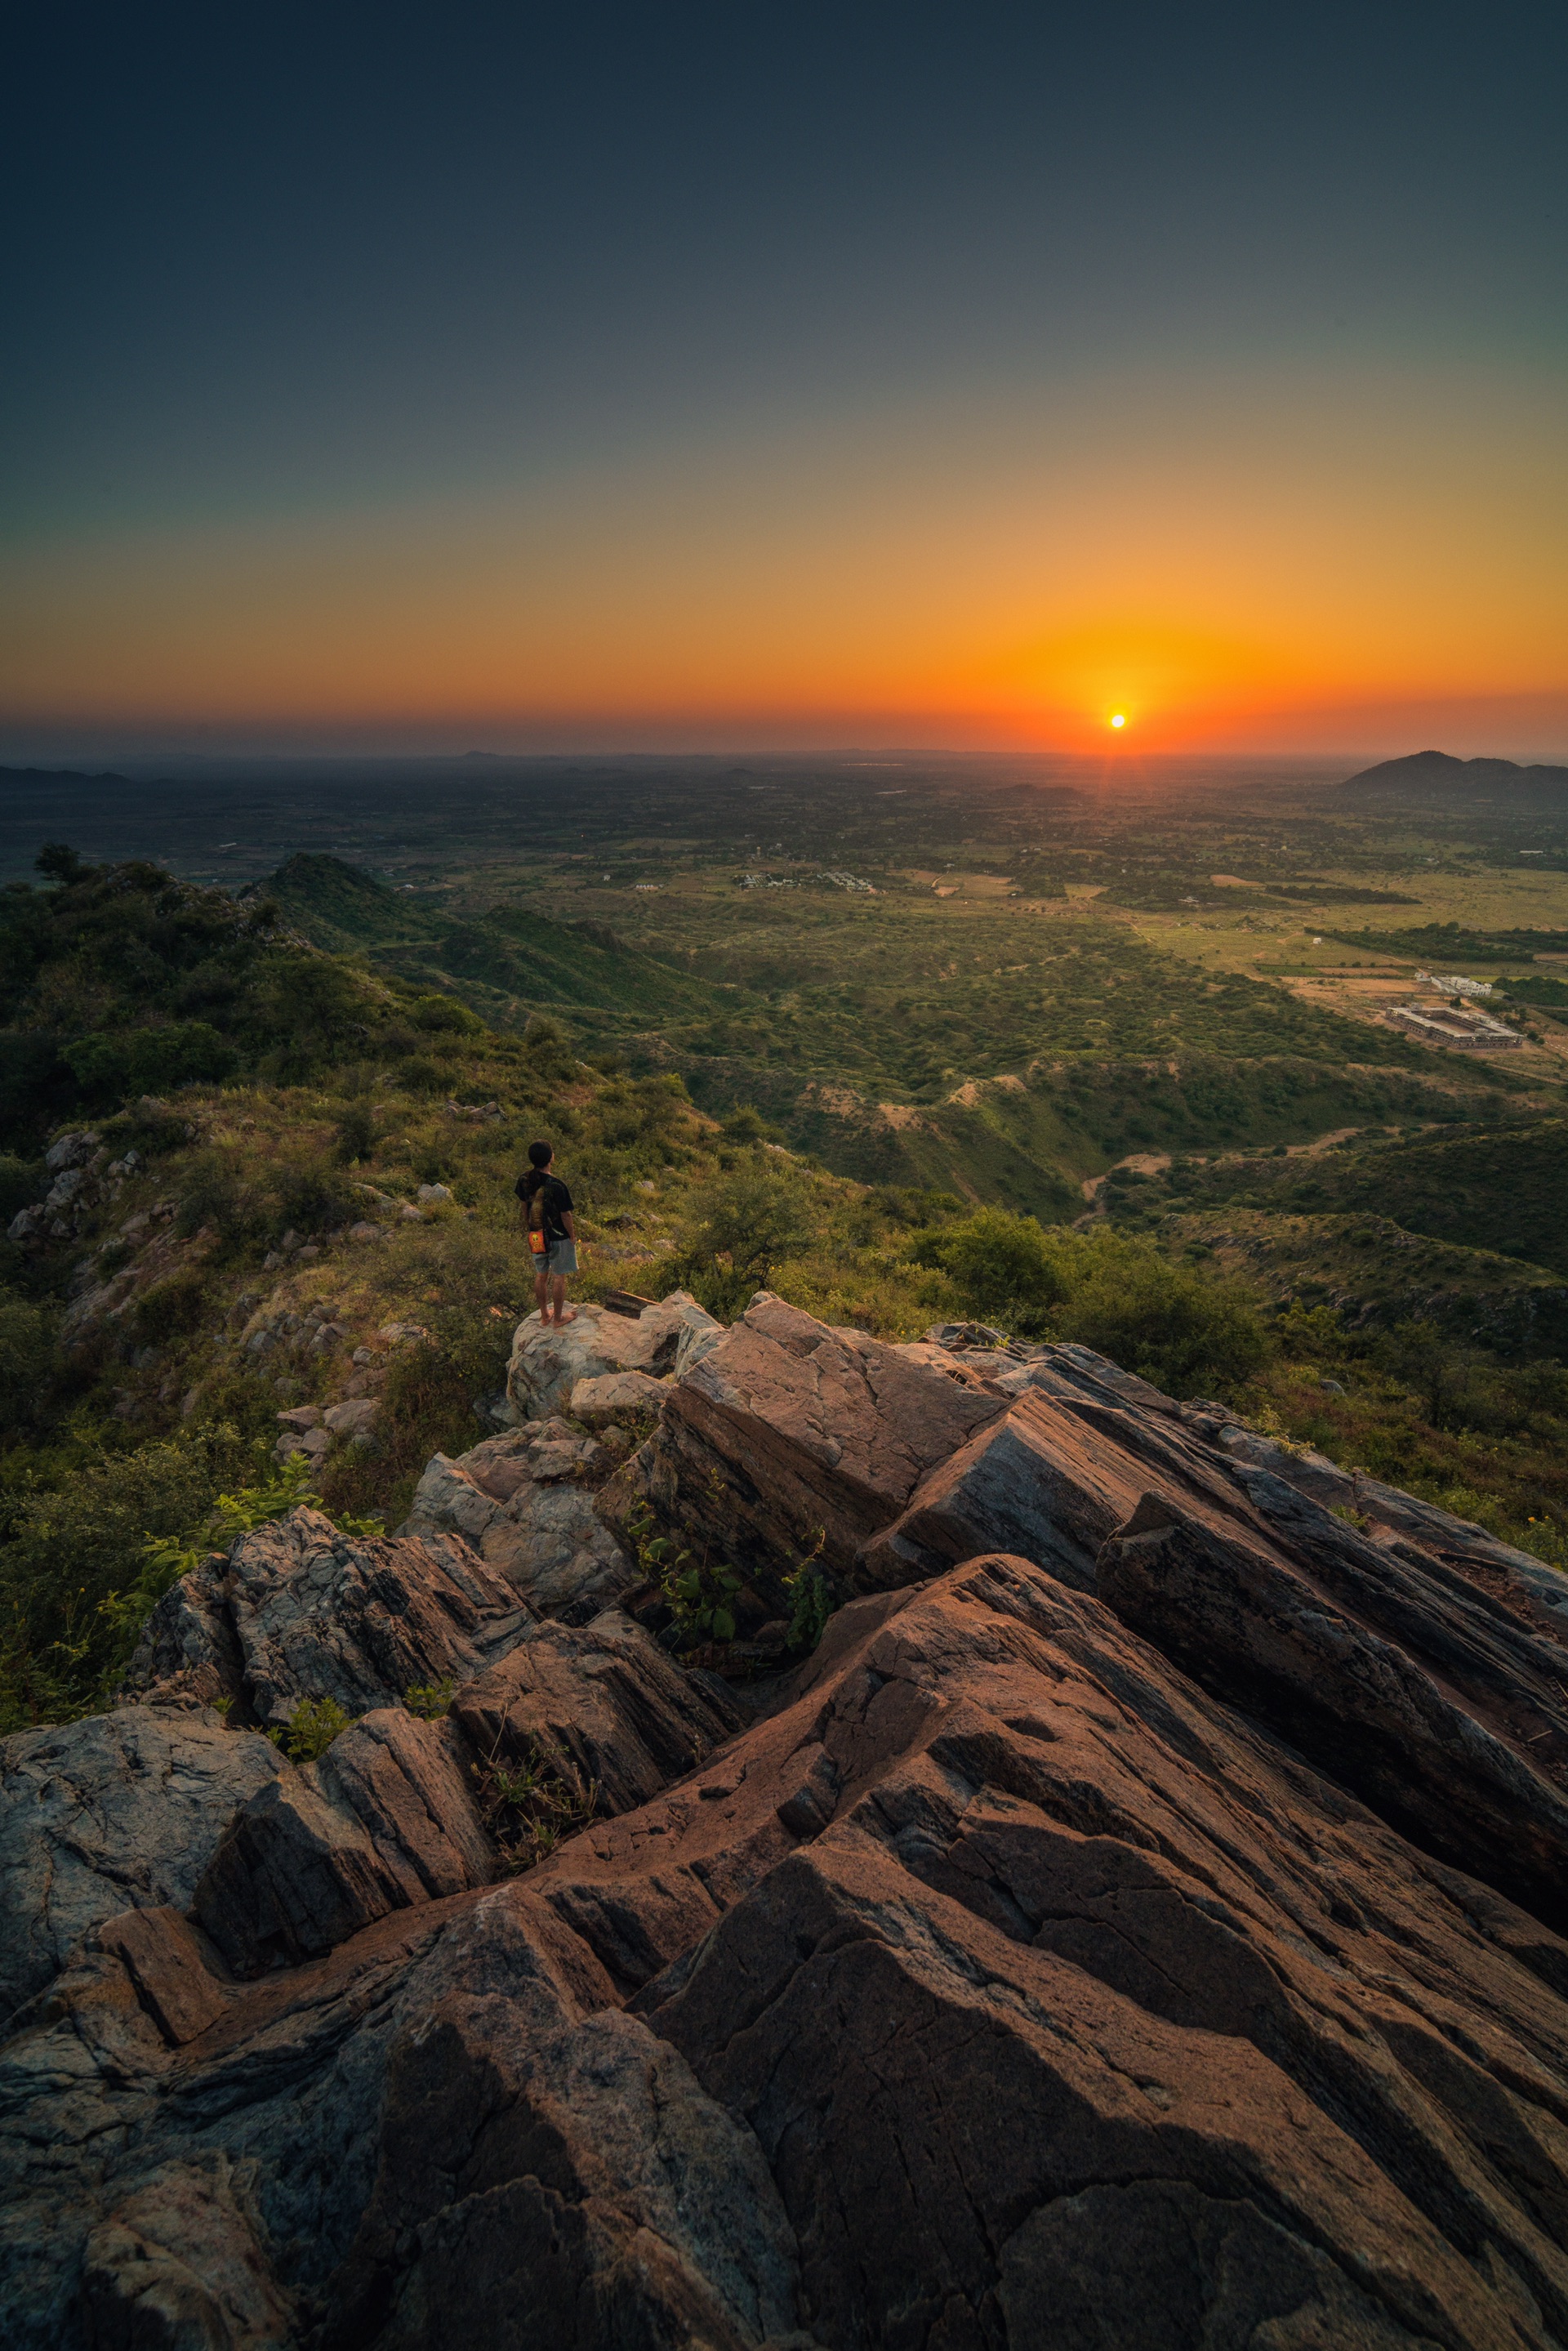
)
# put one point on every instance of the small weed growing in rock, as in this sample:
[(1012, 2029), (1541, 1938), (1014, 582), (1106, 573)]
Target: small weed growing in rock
[(811, 1598), (311, 1729), (701, 1600), (701, 1597), (529, 1807), (430, 1700)]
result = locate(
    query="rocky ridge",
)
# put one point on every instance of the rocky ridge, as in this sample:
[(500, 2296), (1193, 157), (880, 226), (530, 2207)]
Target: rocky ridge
[(1139, 1920)]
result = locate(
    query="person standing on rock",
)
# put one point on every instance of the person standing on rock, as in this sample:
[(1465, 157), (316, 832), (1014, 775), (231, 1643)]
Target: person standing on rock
[(552, 1234)]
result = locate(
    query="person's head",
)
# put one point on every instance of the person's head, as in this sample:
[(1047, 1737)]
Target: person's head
[(540, 1155)]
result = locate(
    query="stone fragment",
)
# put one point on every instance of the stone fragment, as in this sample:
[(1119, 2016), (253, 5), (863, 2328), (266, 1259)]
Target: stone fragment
[(404, 1781), (357, 1417), (168, 1963), (294, 1876), (616, 1395), (178, 2267)]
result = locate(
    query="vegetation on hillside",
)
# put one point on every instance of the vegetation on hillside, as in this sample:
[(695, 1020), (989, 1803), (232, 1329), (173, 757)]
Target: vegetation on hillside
[(257, 1101)]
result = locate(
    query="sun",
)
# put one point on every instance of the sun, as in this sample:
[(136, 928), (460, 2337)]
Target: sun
[(1119, 718)]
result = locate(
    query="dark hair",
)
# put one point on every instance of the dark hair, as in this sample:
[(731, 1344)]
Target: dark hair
[(540, 1154)]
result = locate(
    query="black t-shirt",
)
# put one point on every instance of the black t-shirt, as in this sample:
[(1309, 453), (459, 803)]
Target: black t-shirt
[(557, 1199)]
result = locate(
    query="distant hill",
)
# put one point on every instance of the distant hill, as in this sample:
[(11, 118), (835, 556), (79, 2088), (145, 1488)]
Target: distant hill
[(339, 907), (33, 777), (1428, 775)]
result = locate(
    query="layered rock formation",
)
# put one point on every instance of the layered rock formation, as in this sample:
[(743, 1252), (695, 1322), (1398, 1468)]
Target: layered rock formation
[(1137, 1923)]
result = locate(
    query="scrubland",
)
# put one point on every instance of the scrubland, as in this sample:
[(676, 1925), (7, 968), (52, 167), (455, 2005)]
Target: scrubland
[(893, 1109)]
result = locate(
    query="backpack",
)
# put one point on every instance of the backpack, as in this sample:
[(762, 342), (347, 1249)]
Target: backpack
[(533, 1205)]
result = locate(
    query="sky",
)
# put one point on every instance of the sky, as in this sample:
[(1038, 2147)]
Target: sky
[(713, 376)]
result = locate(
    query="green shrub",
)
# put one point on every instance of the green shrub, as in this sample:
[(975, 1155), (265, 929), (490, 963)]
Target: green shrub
[(82, 1540), (1187, 1331), (27, 1363), (752, 1218), (1007, 1268), (175, 1307), (21, 1182), (357, 1135), (445, 1015), (310, 1729), (430, 1700), (151, 1060)]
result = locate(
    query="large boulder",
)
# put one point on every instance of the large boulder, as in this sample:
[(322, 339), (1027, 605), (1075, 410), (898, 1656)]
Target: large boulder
[(788, 1439), (298, 1610), (547, 1363), (533, 1525), (119, 1811)]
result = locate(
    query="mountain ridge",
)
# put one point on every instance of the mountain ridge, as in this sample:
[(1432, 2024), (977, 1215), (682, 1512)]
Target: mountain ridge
[(1441, 772)]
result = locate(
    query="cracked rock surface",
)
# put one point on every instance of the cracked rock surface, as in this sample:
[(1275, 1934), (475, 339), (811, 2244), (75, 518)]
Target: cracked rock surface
[(1142, 1932)]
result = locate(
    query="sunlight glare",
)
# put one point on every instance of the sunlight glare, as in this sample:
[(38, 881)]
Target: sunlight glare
[(1119, 720)]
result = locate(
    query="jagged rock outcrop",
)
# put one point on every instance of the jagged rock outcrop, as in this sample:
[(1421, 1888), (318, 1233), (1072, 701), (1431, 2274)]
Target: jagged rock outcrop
[(298, 1610), (604, 1702), (788, 1438), (385, 1819), (1144, 1934)]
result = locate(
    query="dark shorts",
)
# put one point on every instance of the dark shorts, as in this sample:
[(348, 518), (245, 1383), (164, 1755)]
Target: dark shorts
[(560, 1258)]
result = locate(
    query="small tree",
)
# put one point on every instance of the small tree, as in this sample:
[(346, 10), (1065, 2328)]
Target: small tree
[(58, 863)]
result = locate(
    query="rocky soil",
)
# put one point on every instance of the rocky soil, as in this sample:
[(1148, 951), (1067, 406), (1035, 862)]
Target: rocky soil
[(1139, 1922)]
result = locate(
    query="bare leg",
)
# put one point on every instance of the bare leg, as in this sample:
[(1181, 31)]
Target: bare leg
[(541, 1295), (564, 1314)]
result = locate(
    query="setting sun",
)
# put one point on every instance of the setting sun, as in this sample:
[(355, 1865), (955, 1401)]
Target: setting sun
[(1119, 720)]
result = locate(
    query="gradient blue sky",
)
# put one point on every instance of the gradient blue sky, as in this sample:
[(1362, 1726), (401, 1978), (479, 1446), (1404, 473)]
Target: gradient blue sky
[(698, 373)]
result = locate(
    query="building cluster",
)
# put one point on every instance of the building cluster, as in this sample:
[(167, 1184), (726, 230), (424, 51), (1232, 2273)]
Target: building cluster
[(790, 882), (1457, 1025), (1455, 986)]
